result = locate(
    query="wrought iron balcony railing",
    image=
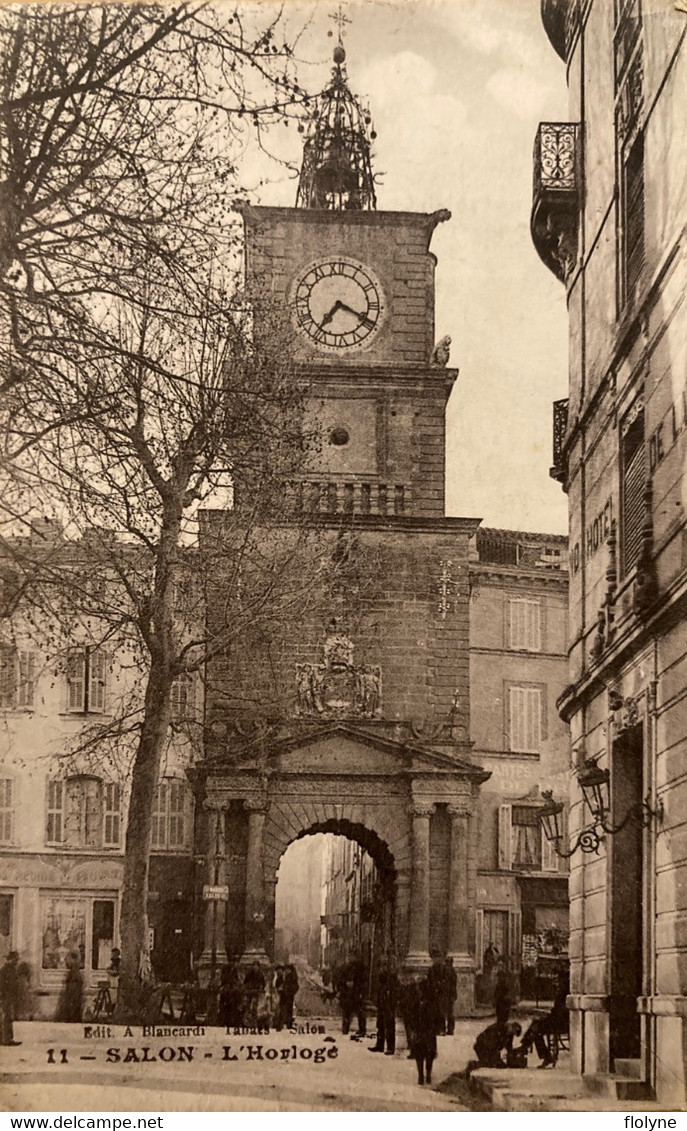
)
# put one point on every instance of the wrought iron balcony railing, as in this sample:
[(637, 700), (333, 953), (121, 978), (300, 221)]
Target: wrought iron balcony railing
[(557, 470), (556, 196)]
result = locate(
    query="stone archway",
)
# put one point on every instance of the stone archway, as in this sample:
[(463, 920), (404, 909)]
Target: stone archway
[(337, 901), (416, 802)]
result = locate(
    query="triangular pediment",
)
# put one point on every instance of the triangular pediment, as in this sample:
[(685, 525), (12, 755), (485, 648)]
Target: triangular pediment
[(345, 750)]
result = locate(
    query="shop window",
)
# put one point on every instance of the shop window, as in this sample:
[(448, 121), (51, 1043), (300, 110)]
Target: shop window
[(525, 719), (6, 810), (83, 812), (82, 926), (171, 815), (522, 846), (17, 678), (524, 624), (86, 681)]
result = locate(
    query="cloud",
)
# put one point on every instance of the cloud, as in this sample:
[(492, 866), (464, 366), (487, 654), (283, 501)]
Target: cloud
[(518, 91)]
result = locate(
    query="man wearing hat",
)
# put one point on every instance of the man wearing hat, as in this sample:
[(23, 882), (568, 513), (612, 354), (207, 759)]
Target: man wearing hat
[(9, 990)]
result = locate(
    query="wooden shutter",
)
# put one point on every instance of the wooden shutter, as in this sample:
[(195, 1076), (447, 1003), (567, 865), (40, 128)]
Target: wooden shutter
[(112, 806), (97, 674), (525, 624), (633, 185), (158, 837), (8, 676), (54, 811), (633, 487), (524, 719), (479, 940), (27, 677), (505, 834), (6, 810), (76, 680)]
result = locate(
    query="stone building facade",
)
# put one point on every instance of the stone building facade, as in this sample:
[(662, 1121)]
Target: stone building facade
[(64, 797), (609, 218)]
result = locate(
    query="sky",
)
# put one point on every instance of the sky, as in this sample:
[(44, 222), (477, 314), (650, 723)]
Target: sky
[(456, 89)]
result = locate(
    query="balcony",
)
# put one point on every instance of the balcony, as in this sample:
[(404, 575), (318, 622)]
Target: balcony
[(560, 19), (338, 497), (557, 470), (556, 196)]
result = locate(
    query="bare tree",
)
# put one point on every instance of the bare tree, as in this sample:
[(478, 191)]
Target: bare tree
[(135, 387)]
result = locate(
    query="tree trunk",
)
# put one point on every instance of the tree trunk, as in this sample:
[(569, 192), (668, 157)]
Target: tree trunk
[(133, 921)]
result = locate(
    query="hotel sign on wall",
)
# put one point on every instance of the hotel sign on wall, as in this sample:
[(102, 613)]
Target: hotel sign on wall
[(595, 535)]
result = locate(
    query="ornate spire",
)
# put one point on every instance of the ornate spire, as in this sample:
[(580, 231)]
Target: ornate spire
[(336, 172)]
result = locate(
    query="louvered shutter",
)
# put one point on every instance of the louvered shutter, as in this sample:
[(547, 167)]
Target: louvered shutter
[(27, 677), (505, 835), (8, 676), (76, 680), (634, 215), (96, 683), (633, 486)]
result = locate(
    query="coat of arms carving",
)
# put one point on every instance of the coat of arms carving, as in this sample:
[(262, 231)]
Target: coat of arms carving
[(337, 686)]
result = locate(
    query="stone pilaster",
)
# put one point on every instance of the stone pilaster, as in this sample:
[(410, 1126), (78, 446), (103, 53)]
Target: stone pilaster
[(255, 906), (214, 954), (418, 943), (459, 910)]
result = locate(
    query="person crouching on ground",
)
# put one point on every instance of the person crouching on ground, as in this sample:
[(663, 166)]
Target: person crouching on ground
[(492, 1043)]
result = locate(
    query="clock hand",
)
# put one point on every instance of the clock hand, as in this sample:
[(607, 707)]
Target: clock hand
[(338, 305), (364, 320)]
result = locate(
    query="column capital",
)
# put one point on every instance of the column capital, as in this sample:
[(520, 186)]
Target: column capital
[(214, 805), (421, 808), (255, 804), (459, 809)]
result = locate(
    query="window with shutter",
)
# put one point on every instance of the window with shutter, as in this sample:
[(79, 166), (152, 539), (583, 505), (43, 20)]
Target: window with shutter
[(526, 851), (525, 624), (86, 680), (6, 810), (55, 811), (171, 815), (524, 719), (634, 477)]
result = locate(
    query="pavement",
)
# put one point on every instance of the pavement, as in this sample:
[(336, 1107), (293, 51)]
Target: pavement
[(60, 1067), (302, 1071)]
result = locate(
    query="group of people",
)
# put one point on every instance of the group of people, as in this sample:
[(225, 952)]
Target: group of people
[(257, 997), (424, 1004)]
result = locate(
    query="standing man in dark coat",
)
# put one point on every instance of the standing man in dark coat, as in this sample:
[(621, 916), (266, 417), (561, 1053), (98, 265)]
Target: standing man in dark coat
[(9, 993), (288, 993), (503, 995), (351, 988), (425, 1022), (436, 980), (450, 991), (387, 997)]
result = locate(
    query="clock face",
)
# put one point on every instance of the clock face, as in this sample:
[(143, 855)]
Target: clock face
[(337, 304)]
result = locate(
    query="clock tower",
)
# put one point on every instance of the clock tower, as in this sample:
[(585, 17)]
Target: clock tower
[(359, 287), (348, 713)]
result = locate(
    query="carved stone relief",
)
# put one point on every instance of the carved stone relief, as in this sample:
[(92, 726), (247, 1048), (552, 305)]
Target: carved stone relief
[(338, 687)]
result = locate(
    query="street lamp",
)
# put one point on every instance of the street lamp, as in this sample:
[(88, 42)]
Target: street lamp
[(595, 785)]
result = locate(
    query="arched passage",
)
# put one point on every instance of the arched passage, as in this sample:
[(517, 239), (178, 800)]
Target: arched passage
[(335, 896)]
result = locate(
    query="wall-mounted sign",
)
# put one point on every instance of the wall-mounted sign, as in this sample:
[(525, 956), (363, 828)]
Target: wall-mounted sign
[(215, 891)]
